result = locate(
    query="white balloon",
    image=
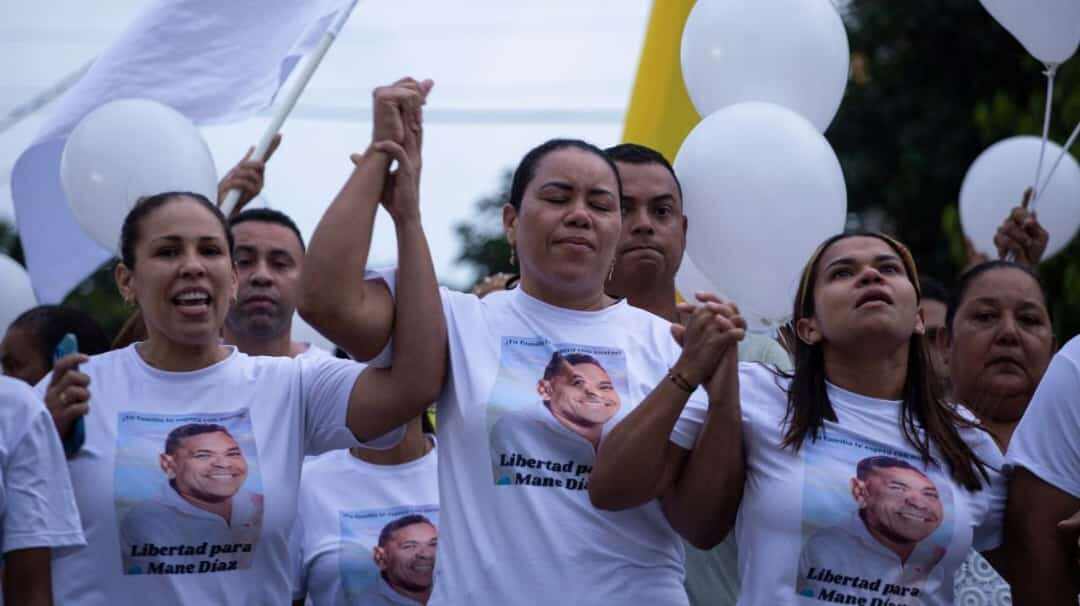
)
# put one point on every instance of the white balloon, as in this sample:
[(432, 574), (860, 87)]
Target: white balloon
[(792, 53), (689, 280), (127, 149), (995, 183), (762, 190), (1048, 29), (18, 294)]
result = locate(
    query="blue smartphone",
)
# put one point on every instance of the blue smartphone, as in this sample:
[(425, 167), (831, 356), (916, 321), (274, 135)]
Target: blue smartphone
[(68, 345)]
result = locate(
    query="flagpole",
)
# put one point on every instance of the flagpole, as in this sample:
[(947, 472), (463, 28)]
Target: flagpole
[(307, 70)]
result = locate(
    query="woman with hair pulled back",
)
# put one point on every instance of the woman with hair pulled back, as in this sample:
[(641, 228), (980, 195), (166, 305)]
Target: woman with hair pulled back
[(1000, 340), (187, 482), (862, 485), (516, 525)]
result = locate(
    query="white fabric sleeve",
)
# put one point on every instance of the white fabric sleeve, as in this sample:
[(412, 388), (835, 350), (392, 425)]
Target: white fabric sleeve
[(388, 276), (1047, 441), (326, 384), (41, 509), (692, 419), (298, 571)]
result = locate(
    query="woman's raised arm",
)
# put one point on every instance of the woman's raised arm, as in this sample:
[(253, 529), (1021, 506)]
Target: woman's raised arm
[(357, 314)]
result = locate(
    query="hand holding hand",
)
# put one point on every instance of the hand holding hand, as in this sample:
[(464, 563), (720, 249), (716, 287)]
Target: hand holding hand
[(714, 327), (398, 107)]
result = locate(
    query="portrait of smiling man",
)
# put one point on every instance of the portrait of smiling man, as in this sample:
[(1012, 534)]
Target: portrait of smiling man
[(202, 502), (405, 557), (899, 508), (577, 400)]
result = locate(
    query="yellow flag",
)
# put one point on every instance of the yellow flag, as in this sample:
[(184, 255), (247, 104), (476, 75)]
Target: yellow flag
[(660, 113)]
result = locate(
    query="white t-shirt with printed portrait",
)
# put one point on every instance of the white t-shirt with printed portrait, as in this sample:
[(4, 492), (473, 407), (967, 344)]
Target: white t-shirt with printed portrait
[(345, 502), (855, 514), (518, 526), (187, 481), (37, 505)]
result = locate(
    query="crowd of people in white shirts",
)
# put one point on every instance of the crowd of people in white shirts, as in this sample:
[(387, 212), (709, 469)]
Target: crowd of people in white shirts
[(577, 434)]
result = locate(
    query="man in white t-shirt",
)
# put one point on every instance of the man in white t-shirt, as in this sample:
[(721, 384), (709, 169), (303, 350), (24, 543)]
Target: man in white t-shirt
[(269, 254), (899, 508), (203, 504), (405, 557), (653, 243)]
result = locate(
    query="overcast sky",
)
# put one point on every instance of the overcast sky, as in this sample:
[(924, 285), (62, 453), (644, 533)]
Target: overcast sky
[(508, 76)]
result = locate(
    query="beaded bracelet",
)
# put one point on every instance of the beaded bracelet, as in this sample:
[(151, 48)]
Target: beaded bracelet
[(680, 381)]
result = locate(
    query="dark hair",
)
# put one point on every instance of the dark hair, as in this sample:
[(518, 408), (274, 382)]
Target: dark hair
[(869, 464), (633, 153), (969, 276), (554, 365), (933, 289), (47, 324), (144, 207), (172, 442), (527, 167), (402, 522), (268, 215), (925, 417)]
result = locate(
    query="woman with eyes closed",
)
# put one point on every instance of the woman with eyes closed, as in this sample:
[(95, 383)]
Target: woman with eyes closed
[(176, 266), (516, 524), (1000, 341), (862, 390)]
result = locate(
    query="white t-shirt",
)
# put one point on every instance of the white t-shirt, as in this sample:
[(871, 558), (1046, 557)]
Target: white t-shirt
[(230, 438), (855, 514), (37, 505), (518, 526), (712, 576), (345, 503), (1047, 441), (314, 351)]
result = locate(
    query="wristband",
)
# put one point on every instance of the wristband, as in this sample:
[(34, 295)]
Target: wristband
[(680, 381)]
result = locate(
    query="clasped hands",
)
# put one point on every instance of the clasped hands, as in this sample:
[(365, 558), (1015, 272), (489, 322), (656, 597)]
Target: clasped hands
[(397, 133), (709, 336)]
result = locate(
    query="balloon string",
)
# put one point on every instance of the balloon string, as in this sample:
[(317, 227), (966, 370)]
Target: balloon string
[(1061, 156), (1051, 70)]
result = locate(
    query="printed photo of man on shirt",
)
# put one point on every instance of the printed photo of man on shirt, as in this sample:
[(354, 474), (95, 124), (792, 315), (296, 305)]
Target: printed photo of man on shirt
[(405, 557), (885, 541), (202, 519)]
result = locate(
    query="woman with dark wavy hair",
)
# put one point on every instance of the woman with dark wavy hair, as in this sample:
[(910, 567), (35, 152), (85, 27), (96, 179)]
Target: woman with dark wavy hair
[(812, 521)]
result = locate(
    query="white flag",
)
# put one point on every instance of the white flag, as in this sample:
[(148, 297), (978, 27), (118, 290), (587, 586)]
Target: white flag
[(212, 60)]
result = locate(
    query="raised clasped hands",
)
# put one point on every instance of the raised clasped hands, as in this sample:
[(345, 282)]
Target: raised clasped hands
[(397, 131), (709, 339)]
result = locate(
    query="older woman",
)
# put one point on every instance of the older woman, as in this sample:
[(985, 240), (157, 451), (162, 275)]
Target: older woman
[(517, 526), (187, 482), (862, 485), (1000, 342)]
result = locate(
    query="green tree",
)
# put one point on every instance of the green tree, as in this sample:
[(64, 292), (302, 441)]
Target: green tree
[(934, 84), (483, 245)]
